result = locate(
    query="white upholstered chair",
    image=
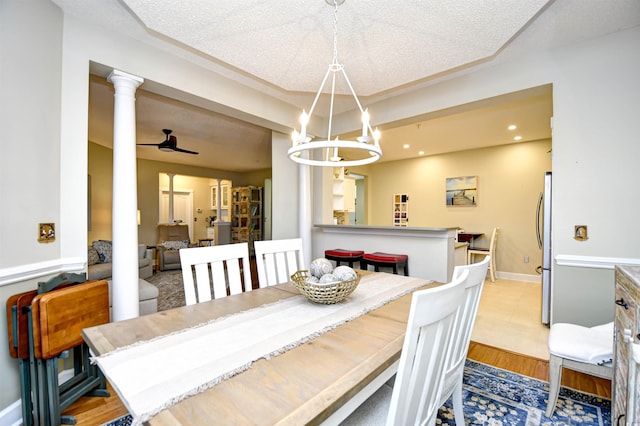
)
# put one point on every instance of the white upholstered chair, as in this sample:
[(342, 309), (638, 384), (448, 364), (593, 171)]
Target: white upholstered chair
[(277, 260), (215, 272), (417, 390), (585, 349), (491, 251)]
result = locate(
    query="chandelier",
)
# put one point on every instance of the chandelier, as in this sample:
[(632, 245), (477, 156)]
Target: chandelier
[(325, 152)]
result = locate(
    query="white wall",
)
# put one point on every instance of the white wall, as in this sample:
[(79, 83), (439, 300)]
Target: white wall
[(596, 97), (285, 190), (30, 71), (44, 161), (595, 164)]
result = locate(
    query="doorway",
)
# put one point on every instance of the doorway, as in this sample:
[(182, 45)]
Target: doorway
[(358, 216), (182, 208)]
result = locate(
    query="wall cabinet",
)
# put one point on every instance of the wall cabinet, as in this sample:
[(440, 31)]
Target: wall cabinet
[(344, 191), (246, 215), (224, 192)]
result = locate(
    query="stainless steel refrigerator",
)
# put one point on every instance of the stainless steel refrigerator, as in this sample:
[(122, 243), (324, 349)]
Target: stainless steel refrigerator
[(543, 231)]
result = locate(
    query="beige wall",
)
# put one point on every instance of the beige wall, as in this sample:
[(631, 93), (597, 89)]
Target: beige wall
[(510, 179), (200, 188), (151, 176)]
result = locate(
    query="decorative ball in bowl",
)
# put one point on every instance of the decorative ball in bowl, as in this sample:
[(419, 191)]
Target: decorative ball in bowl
[(324, 284)]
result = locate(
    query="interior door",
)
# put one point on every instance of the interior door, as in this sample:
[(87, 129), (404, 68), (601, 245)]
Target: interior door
[(182, 208)]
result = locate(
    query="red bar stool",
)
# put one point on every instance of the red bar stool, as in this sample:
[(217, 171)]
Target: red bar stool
[(341, 255), (389, 260)]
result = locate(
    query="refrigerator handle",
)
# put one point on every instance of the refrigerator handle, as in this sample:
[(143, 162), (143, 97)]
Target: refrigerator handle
[(538, 218)]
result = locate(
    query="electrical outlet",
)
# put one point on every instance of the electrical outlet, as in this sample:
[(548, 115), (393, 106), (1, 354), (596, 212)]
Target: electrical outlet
[(580, 233), (46, 232), (526, 259)]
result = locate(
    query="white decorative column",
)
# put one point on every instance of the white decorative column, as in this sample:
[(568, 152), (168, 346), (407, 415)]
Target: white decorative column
[(218, 200), (171, 175), (125, 272), (304, 190)]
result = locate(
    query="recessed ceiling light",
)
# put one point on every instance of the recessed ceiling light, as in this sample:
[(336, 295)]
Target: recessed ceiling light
[(512, 127), (517, 138), (420, 152), (405, 146)]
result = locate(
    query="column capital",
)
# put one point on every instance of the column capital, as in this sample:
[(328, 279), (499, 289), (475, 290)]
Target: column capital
[(121, 76)]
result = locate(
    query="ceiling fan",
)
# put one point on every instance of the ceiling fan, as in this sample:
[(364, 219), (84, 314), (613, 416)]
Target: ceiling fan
[(169, 144)]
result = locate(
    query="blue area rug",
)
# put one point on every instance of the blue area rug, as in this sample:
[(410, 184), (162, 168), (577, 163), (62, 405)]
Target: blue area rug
[(495, 397), (498, 397)]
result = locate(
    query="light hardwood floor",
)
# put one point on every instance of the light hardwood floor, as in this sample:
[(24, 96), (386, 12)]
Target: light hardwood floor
[(508, 334), (509, 317)]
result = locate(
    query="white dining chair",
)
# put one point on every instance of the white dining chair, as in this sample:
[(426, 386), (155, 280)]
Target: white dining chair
[(465, 320), (417, 390), (215, 272), (277, 260), (490, 251)]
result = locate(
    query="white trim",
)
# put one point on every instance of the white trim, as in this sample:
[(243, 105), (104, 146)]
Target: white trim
[(593, 261), (40, 269), (513, 276), (12, 415)]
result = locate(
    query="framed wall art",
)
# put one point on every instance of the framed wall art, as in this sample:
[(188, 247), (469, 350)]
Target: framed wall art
[(462, 191)]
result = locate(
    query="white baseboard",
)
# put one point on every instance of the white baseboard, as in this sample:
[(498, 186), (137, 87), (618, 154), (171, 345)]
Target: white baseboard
[(12, 415), (518, 277)]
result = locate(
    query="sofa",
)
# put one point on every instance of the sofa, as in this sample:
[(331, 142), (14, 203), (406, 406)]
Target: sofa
[(99, 261), (171, 238)]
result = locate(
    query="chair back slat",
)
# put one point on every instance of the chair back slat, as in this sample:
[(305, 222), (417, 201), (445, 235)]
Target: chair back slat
[(277, 260), (420, 377), (218, 271), (464, 322)]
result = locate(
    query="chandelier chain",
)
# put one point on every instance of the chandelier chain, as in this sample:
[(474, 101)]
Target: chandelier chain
[(335, 31)]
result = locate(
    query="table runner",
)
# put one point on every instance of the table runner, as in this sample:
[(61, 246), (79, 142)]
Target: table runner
[(154, 375)]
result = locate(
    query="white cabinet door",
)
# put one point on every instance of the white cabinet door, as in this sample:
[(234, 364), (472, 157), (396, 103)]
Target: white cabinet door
[(349, 194)]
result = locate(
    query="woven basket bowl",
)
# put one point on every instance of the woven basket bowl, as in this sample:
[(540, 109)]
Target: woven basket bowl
[(324, 293)]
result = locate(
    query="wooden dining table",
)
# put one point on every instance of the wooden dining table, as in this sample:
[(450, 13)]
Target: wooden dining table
[(311, 383)]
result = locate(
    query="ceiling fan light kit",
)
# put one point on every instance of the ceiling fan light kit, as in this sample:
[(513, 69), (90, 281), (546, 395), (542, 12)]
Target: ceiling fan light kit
[(170, 144), (367, 145)]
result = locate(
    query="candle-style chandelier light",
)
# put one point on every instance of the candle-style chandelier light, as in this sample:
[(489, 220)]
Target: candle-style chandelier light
[(325, 152)]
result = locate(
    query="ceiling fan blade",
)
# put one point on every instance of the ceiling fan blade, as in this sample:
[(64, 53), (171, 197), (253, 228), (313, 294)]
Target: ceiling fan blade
[(169, 144), (186, 151)]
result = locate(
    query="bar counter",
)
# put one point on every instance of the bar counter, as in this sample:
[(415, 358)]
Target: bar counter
[(431, 251)]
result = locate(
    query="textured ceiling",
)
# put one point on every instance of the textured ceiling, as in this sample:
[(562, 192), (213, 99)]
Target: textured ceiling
[(283, 48), (386, 44)]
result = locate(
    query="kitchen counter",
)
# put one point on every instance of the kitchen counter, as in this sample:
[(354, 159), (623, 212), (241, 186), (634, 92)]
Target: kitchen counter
[(391, 230), (431, 251)]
